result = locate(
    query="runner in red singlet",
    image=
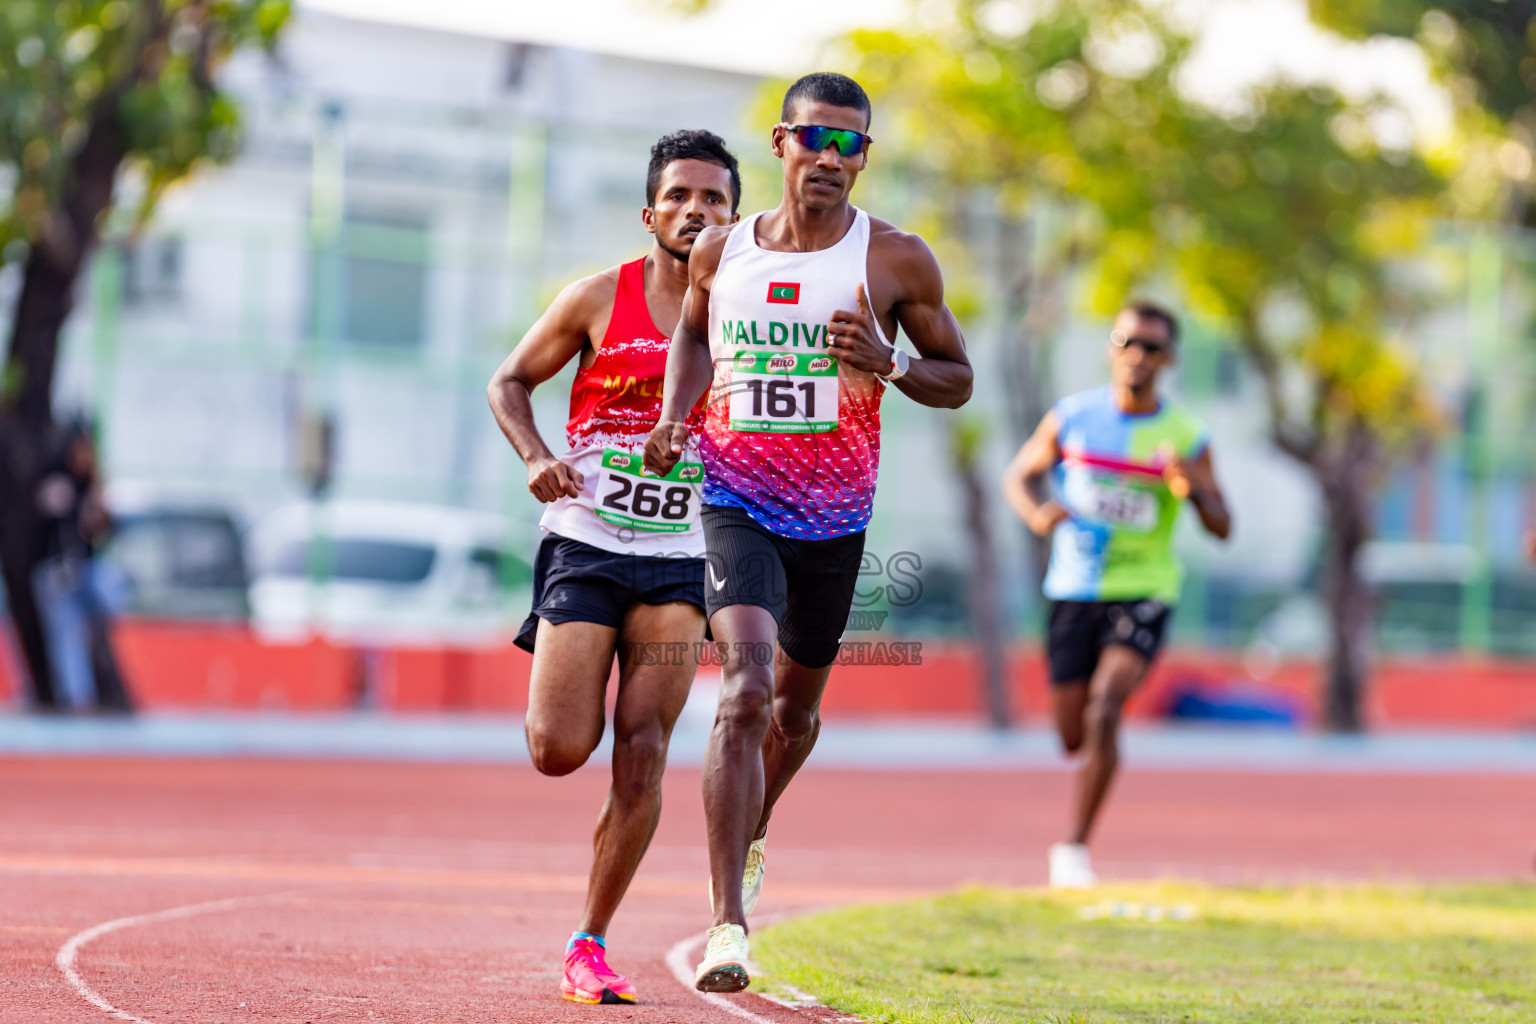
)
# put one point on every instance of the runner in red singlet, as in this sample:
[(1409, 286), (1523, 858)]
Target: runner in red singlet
[(620, 572)]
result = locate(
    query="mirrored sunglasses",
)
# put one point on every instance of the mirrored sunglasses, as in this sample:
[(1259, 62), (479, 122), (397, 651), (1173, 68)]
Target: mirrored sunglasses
[(817, 137)]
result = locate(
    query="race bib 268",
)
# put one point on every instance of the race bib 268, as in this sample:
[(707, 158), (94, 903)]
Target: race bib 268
[(628, 496)]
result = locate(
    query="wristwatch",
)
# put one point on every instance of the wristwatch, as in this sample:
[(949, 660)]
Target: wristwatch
[(899, 365)]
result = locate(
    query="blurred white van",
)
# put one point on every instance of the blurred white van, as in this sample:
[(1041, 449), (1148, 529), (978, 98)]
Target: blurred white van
[(385, 573)]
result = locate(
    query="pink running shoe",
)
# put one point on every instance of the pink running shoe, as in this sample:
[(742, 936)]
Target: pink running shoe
[(589, 979)]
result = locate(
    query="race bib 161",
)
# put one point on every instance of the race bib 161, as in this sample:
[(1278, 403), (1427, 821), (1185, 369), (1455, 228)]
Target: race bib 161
[(783, 393)]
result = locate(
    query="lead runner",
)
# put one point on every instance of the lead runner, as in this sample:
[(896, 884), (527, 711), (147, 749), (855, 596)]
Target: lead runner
[(619, 571), (788, 315)]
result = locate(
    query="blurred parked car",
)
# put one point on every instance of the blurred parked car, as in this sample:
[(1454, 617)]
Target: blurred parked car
[(173, 560), (377, 572)]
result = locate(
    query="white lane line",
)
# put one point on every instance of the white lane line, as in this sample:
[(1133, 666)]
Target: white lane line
[(682, 969), (70, 951), (678, 959), (798, 1000)]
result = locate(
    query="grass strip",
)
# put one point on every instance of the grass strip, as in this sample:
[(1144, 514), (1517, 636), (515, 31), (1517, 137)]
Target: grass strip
[(1169, 952)]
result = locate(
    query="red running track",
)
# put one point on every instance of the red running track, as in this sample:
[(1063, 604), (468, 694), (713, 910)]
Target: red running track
[(427, 893)]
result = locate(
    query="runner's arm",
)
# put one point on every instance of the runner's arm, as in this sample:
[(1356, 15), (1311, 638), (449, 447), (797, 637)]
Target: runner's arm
[(942, 377), (1199, 484), (689, 367), (1024, 475), (553, 341)]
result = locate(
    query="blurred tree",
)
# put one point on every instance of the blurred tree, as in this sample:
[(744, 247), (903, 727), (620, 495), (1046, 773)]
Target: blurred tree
[(90, 89), (1282, 218), (1484, 51), (984, 602)]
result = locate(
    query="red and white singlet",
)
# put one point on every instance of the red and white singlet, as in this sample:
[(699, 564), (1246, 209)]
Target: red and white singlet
[(615, 402), (792, 437)]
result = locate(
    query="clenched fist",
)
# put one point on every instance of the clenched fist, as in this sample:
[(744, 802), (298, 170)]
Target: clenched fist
[(549, 479), (664, 447)]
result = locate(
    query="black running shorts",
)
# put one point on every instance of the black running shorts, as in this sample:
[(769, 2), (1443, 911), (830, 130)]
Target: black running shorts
[(576, 582), (1080, 630), (806, 585)]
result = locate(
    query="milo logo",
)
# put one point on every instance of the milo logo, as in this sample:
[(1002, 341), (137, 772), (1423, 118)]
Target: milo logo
[(689, 473), (820, 363), (746, 360), (619, 461), (781, 362)]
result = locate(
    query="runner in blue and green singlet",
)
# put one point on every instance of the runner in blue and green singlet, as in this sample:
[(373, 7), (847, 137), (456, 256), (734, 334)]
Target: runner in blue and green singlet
[(1122, 460)]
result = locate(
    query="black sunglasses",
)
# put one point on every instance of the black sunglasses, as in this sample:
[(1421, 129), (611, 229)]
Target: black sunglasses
[(1151, 346)]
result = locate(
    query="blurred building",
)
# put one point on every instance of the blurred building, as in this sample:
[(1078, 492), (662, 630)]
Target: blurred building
[(404, 205)]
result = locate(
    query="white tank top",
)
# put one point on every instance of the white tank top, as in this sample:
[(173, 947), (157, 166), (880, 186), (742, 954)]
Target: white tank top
[(790, 436)]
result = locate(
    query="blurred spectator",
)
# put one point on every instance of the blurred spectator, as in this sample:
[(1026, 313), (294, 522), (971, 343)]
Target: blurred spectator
[(75, 594)]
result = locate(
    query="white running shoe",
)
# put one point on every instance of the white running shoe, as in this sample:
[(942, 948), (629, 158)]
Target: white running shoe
[(1070, 867), (725, 961), (751, 878)]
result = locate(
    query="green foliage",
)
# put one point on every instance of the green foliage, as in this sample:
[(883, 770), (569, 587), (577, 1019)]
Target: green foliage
[(1281, 220), (1484, 52), (967, 438), (1255, 956), (145, 68), (1489, 44)]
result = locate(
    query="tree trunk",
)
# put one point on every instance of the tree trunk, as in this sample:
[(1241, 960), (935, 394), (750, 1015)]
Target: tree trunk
[(1345, 477), (22, 453), (985, 605), (54, 264), (1036, 302), (1029, 407)]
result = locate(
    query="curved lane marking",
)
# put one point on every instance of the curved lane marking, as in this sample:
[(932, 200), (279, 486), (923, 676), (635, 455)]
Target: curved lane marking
[(677, 961), (70, 951), (677, 958)]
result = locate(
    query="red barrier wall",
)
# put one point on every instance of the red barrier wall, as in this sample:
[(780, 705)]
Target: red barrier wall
[(10, 670), (489, 679), (175, 665), (206, 666)]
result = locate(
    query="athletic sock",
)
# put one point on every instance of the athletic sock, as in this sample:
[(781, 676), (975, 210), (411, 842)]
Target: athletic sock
[(578, 936)]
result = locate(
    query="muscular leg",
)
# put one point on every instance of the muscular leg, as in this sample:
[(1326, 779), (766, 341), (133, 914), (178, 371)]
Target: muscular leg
[(651, 696), (1069, 700), (734, 783), (792, 731), (1119, 672), (571, 663)]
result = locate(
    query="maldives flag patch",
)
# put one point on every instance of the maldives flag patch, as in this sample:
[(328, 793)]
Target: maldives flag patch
[(786, 292)]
